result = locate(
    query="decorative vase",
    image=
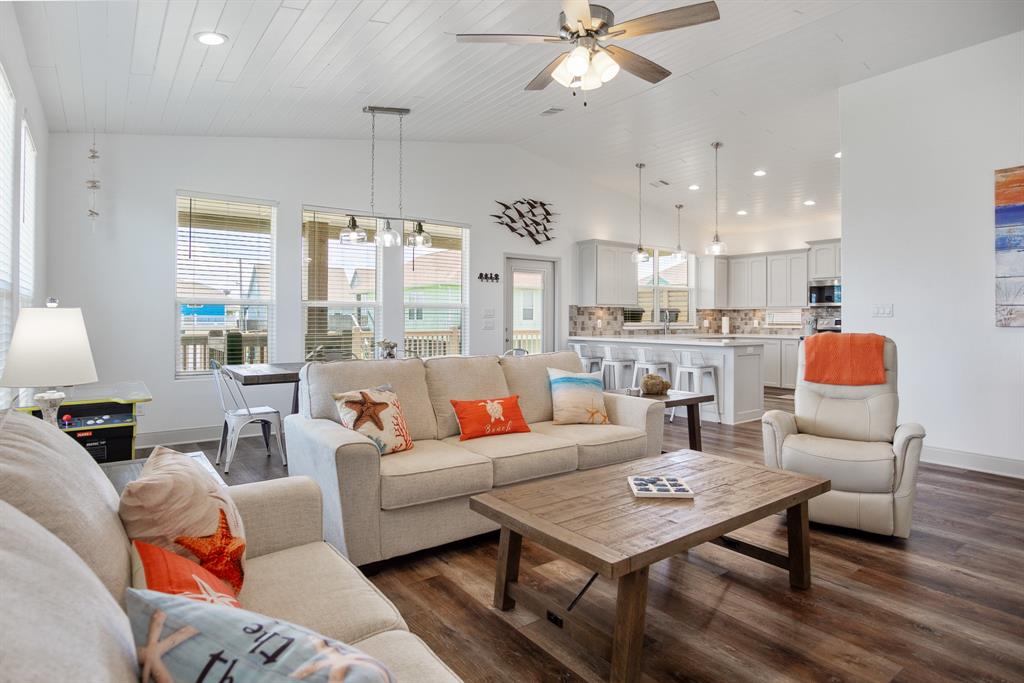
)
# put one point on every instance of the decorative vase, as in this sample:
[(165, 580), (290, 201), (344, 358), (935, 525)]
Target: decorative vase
[(654, 385)]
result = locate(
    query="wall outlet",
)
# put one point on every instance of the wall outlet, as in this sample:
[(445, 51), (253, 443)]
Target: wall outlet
[(881, 311)]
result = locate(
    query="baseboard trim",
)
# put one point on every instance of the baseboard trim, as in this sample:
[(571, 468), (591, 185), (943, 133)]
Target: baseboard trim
[(979, 462)]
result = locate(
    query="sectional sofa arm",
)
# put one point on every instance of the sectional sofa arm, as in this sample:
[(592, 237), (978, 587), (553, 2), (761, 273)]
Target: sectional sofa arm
[(639, 413), (279, 513), (776, 425), (346, 465)]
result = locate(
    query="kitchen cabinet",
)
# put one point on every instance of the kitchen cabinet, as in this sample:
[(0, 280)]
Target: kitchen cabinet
[(713, 282), (790, 348), (606, 274), (824, 260), (772, 362), (787, 280), (748, 282)]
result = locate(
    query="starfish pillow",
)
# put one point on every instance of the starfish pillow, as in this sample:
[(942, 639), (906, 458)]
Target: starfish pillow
[(377, 415)]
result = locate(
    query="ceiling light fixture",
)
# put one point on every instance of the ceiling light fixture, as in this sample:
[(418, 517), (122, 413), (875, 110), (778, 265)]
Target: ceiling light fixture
[(741, 212), (717, 246), (578, 61), (694, 187), (211, 38), (809, 202), (351, 233), (679, 253), (640, 255), (838, 155), (760, 173), (606, 67)]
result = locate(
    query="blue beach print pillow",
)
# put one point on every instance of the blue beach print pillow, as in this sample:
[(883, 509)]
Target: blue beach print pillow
[(577, 397), (179, 640)]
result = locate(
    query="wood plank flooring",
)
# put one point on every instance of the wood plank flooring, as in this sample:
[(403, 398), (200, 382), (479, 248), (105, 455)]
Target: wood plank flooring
[(946, 604)]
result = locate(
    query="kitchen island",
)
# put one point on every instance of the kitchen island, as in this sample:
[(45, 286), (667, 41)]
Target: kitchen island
[(738, 363)]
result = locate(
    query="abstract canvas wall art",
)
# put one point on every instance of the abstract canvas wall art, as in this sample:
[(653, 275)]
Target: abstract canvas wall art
[(1010, 247)]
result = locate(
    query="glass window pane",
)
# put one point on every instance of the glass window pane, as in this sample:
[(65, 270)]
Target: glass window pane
[(645, 299), (335, 268), (433, 275), (438, 332), (672, 270), (675, 305), (645, 271), (339, 332), (226, 333)]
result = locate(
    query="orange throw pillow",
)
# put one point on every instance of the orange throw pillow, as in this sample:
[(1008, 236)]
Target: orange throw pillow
[(157, 569), (489, 416)]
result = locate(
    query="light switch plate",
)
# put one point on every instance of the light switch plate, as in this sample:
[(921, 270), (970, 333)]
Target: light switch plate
[(488, 312), (881, 311), (488, 324)]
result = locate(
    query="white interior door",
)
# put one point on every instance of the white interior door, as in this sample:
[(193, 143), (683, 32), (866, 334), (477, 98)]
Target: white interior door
[(529, 305)]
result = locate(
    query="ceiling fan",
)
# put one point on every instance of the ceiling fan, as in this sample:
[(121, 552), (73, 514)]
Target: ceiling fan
[(588, 28)]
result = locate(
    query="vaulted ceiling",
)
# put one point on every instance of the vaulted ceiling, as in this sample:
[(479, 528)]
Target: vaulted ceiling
[(763, 79)]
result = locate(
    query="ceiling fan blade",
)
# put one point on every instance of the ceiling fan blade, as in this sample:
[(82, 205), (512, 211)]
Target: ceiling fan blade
[(577, 11), (512, 38), (541, 80), (637, 65), (680, 17)]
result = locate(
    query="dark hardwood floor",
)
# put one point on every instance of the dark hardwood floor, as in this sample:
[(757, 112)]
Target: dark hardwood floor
[(946, 604)]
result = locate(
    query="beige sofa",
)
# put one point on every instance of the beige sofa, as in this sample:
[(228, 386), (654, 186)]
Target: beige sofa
[(849, 434), (379, 507), (64, 568)]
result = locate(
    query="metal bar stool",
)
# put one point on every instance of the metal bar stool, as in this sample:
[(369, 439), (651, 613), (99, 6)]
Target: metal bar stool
[(590, 363), (616, 366), (646, 365), (691, 369), (241, 414)]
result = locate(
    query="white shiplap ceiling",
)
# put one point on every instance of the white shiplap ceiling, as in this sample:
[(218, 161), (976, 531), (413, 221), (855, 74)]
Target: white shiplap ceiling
[(763, 79)]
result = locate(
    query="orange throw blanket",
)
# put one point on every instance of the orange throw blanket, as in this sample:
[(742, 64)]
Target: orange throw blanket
[(846, 359)]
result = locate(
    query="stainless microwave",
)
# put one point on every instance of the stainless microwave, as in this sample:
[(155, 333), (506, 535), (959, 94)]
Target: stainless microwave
[(825, 292)]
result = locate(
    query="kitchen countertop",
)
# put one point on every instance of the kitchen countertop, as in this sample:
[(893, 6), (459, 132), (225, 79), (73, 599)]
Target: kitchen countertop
[(670, 339)]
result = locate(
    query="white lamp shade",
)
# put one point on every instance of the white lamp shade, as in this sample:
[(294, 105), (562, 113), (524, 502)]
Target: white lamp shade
[(50, 348)]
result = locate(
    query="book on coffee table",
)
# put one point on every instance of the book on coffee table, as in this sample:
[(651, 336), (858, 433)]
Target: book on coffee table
[(656, 486)]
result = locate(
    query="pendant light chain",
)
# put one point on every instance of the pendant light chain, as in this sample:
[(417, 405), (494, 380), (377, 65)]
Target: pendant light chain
[(373, 160), (640, 203), (401, 165)]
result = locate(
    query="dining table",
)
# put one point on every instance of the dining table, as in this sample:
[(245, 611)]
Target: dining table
[(250, 374)]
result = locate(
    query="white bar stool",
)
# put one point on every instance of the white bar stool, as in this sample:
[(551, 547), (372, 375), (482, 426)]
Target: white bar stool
[(616, 366), (692, 368), (590, 363), (646, 365)]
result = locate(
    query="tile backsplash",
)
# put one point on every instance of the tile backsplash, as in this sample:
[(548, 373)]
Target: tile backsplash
[(601, 321)]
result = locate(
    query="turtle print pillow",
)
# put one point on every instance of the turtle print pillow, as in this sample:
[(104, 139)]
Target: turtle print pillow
[(376, 414)]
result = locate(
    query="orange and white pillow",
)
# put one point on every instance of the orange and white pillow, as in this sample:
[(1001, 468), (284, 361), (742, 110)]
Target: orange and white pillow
[(176, 505), (157, 569), (376, 414), (489, 417)]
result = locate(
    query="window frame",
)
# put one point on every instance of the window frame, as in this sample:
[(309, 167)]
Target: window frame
[(408, 223), (8, 280), (30, 244), (656, 289)]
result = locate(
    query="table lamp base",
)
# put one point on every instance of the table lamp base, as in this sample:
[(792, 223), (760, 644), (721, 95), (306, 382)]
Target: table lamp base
[(49, 404)]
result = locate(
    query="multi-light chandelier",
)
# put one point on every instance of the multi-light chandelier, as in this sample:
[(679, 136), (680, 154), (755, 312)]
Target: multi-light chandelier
[(588, 66)]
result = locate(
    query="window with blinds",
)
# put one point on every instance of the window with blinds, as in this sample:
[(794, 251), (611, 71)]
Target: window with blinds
[(224, 282), (27, 230), (7, 123), (436, 286), (663, 287), (339, 287)]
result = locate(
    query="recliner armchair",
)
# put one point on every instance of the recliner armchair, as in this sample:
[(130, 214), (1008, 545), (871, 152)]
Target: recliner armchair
[(849, 434)]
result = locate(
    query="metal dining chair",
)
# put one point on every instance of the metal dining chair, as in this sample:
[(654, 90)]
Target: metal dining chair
[(237, 414), (516, 352)]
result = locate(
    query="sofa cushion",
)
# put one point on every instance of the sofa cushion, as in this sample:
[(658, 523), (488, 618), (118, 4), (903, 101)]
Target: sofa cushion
[(489, 417), (320, 381), (48, 476), (407, 657), (528, 377), (314, 586), (599, 445), (377, 415), (432, 470), (59, 622), (461, 378), (519, 457), (863, 466)]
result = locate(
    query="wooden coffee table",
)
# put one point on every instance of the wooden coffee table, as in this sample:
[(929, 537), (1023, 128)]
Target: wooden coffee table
[(592, 518)]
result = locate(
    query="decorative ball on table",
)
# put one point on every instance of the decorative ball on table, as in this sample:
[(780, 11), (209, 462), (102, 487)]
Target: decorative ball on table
[(654, 385)]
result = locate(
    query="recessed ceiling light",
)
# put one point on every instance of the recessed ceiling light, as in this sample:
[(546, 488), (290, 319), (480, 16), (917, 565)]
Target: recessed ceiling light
[(741, 212), (760, 173), (809, 202), (838, 155), (211, 38), (694, 187)]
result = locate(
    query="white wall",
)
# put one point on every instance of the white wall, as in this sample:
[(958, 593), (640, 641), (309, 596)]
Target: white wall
[(19, 73), (919, 149), (123, 273)]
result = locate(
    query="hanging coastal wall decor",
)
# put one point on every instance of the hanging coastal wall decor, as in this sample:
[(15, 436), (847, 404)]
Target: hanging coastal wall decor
[(1009, 247), (527, 218)]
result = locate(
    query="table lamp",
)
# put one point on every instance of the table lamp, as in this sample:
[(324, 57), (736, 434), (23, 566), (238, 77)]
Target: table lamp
[(50, 348)]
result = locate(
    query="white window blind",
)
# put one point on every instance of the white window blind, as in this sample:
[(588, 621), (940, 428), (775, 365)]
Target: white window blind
[(27, 231), (663, 287), (339, 287), (7, 119), (435, 282), (224, 283)]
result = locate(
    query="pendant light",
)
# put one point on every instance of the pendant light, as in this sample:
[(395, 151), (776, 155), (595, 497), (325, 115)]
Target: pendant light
[(388, 237), (418, 237), (679, 253), (640, 255), (717, 246), (352, 233)]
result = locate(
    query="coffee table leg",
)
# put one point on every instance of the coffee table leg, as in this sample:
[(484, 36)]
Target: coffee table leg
[(510, 546), (628, 639), (693, 425), (799, 546)]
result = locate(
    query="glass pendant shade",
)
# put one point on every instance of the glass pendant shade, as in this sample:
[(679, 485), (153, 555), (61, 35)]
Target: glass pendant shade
[(561, 74), (592, 79), (607, 68), (419, 237), (352, 233), (716, 248), (388, 237), (640, 255), (679, 253), (578, 61)]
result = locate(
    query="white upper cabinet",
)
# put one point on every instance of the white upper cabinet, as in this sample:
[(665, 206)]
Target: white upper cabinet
[(824, 260), (787, 280), (713, 282), (606, 274), (748, 282), (758, 282)]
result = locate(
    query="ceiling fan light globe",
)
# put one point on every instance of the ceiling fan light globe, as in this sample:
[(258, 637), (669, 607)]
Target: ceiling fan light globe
[(592, 79), (578, 61), (607, 68), (561, 74)]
